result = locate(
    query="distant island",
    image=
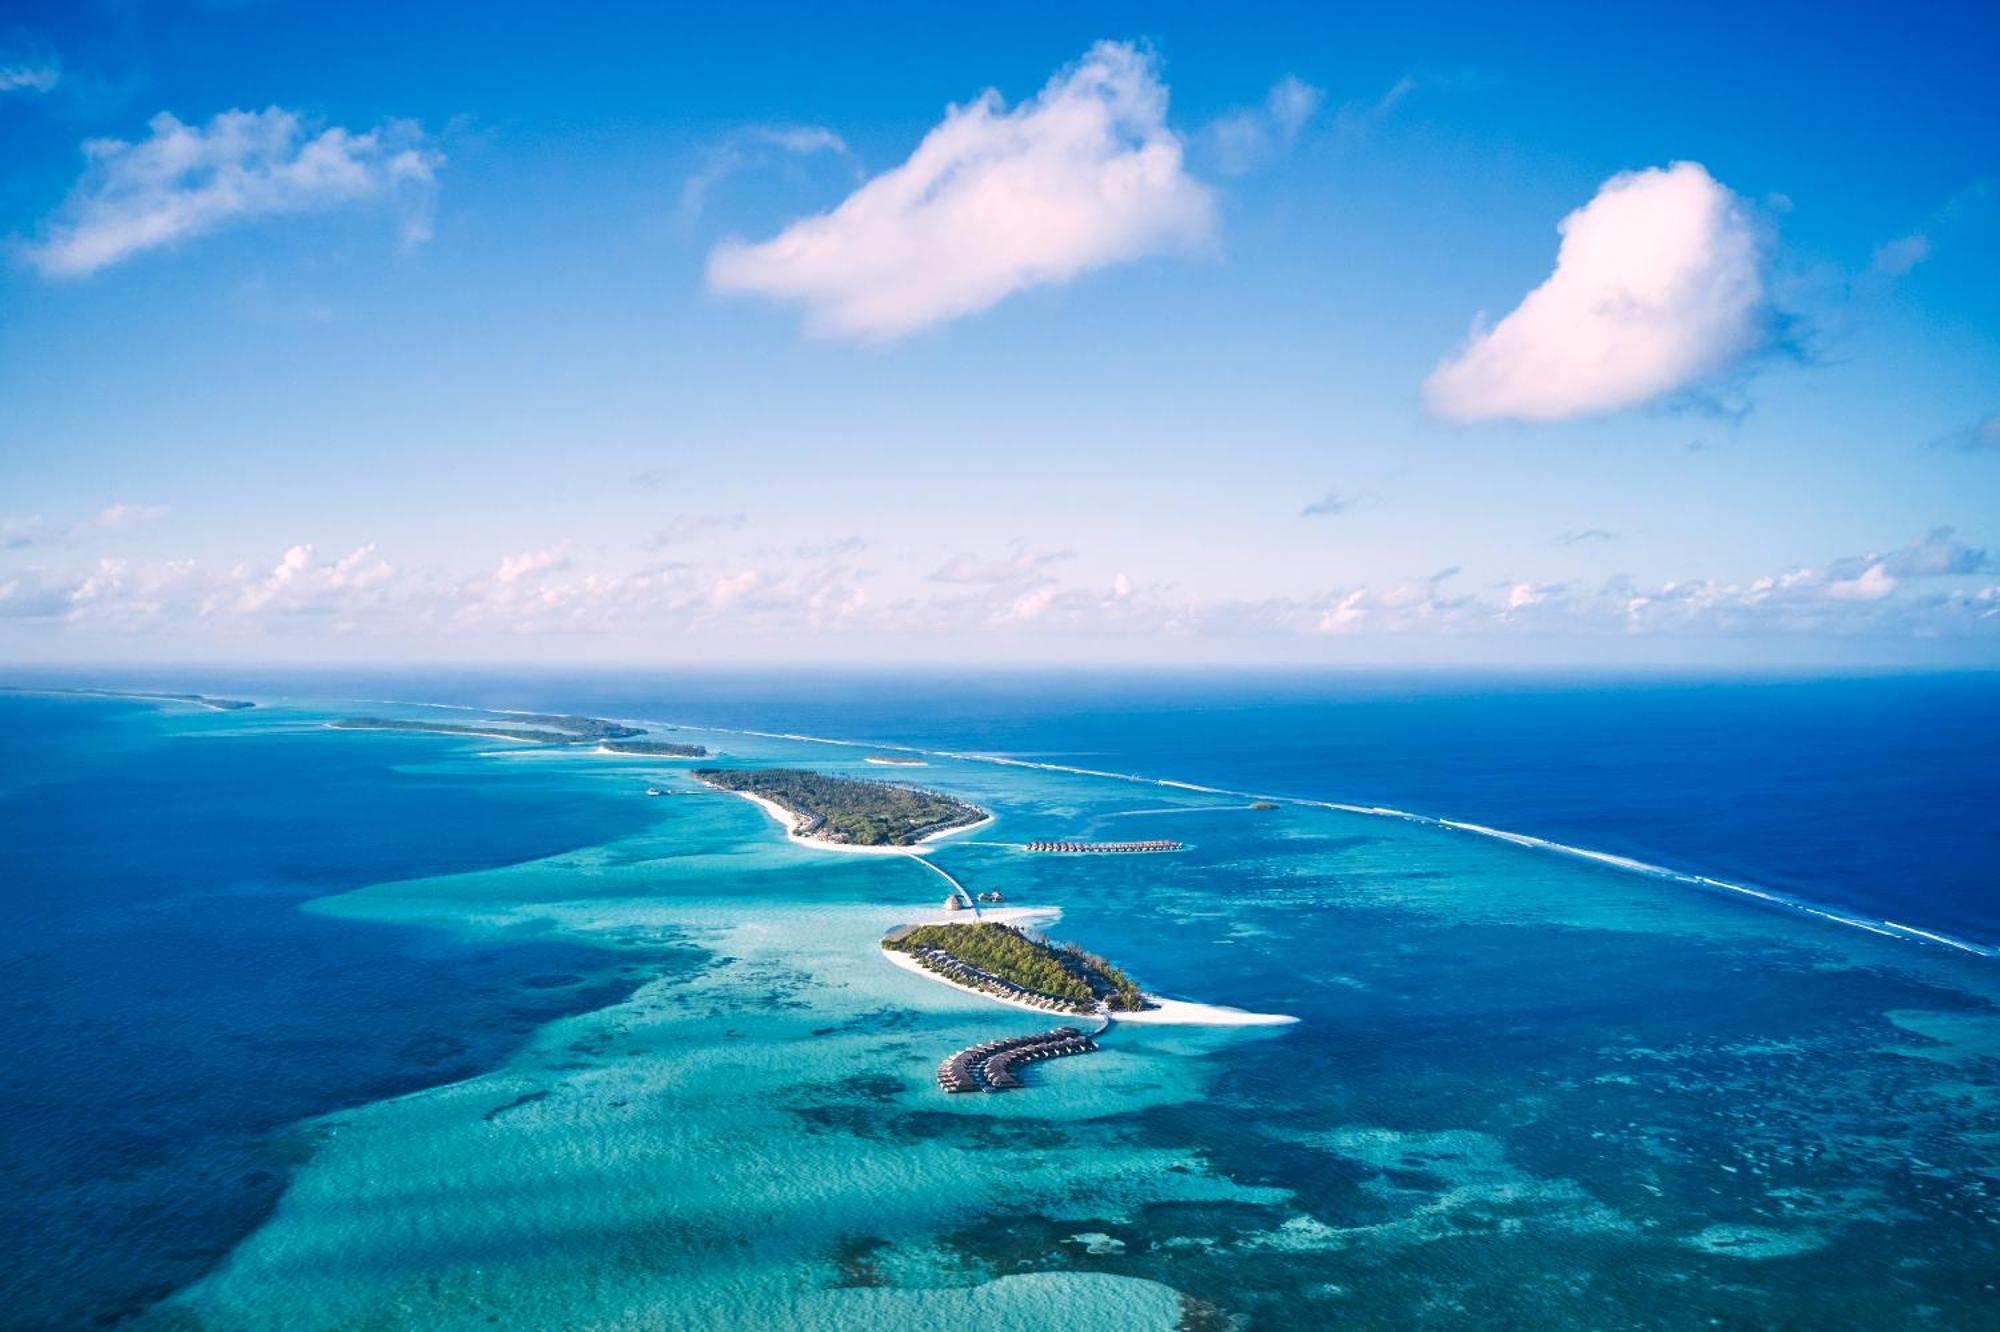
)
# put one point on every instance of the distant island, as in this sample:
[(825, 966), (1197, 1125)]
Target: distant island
[(661, 748), (546, 728), (1006, 963), (846, 810), (578, 728), (198, 700), (493, 731)]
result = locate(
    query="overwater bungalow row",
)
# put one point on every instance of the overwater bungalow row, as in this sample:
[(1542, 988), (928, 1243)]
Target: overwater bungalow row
[(944, 964), (987, 1067), (1104, 848)]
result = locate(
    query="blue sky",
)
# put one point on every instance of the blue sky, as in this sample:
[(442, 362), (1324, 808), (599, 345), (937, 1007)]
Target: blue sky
[(359, 334)]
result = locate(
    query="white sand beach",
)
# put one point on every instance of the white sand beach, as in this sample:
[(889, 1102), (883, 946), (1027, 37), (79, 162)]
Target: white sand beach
[(1165, 1013), (790, 823)]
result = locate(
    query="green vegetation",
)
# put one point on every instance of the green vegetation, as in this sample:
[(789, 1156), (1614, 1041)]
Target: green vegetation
[(664, 748), (844, 809), (455, 728), (578, 728), (200, 700), (1045, 966), (547, 729)]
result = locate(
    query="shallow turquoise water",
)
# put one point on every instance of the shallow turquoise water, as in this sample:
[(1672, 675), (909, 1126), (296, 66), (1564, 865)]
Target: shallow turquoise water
[(1525, 1090)]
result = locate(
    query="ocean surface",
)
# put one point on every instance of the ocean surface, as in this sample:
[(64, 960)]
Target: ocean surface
[(324, 1029)]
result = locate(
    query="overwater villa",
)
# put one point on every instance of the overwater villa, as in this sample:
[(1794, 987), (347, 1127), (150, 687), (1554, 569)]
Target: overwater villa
[(1103, 848), (988, 1066)]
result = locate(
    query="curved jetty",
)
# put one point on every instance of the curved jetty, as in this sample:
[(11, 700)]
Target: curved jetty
[(1104, 848), (989, 1066)]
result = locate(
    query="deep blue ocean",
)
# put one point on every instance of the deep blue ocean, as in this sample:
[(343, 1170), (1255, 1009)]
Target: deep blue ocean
[(1873, 794), (174, 1015), (170, 1013)]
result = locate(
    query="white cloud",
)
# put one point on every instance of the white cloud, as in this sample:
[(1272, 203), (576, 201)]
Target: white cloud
[(991, 202), (743, 148), (732, 588), (683, 527), (1897, 257), (28, 76), (529, 564), (1871, 584), (300, 583), (1021, 566), (1244, 140), (183, 181), (1658, 285), (1938, 553), (120, 516), (1933, 586)]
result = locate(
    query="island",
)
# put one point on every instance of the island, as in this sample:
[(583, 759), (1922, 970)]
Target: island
[(578, 728), (149, 696), (533, 728), (489, 730), (1007, 963), (654, 748), (846, 811)]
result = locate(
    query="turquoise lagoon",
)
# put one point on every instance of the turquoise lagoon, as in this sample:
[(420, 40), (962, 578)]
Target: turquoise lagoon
[(1524, 1089)]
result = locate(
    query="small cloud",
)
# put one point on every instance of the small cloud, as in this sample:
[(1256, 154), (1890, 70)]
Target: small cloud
[(1245, 139), (1969, 210), (744, 148), (530, 564), (1873, 584), (992, 202), (727, 591), (1578, 536), (121, 516), (1356, 119), (690, 526), (1329, 504), (23, 533), (1658, 285), (1899, 256), (846, 545), (28, 76), (1936, 554), (184, 181), (1022, 565), (1979, 438)]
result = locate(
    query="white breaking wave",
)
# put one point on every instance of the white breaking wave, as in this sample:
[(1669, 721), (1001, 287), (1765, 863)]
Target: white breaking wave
[(1888, 929)]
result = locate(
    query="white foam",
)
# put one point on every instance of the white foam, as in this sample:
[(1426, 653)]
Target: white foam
[(1623, 863)]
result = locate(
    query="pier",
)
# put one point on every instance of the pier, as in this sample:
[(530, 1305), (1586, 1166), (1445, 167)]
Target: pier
[(1103, 848), (989, 1066)]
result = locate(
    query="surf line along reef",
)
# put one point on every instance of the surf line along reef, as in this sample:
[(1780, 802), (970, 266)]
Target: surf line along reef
[(995, 955)]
